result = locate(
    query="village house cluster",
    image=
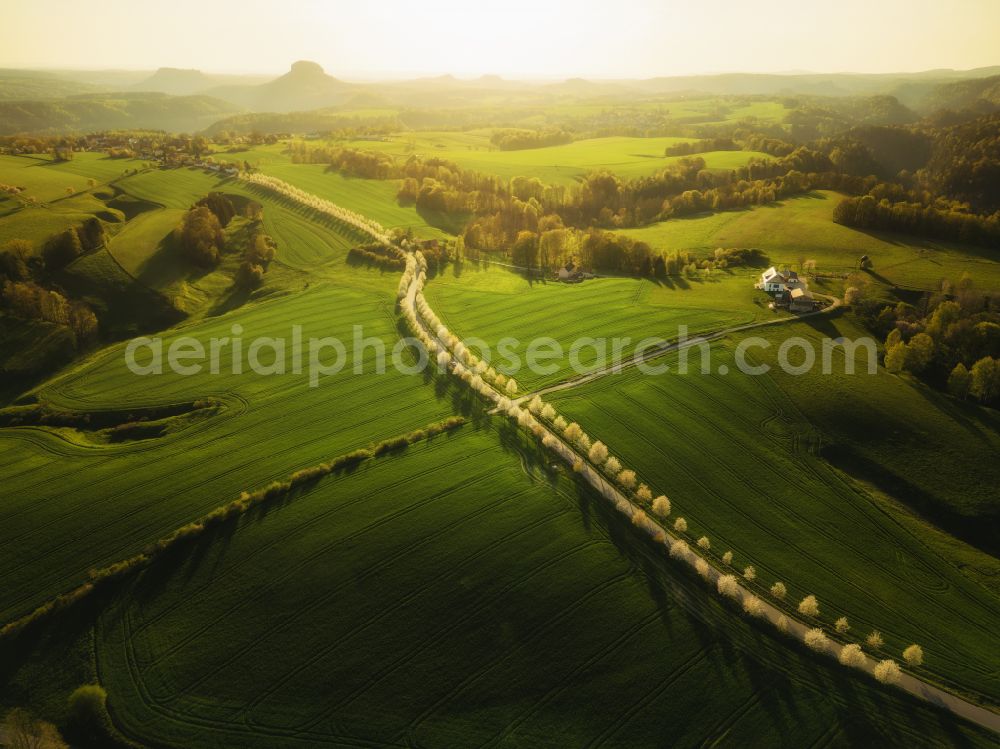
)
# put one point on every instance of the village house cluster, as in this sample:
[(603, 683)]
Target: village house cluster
[(788, 289)]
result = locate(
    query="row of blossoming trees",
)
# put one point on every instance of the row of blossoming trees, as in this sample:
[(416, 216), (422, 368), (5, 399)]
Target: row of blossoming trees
[(633, 498), (344, 215)]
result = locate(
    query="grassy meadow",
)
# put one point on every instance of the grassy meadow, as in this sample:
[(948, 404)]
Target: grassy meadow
[(504, 608), (494, 303), (737, 457), (803, 228), (128, 494), (627, 157)]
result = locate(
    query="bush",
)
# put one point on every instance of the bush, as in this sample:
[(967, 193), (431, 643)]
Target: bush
[(809, 606), (750, 573), (249, 276), (727, 558), (661, 506), (874, 640), (704, 543), (88, 722), (26, 732), (852, 655), (702, 567), (727, 586), (200, 236), (914, 655), (842, 625), (680, 525), (778, 590), (817, 640), (887, 672), (753, 606)]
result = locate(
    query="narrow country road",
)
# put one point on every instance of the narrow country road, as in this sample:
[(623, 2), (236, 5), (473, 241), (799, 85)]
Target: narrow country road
[(667, 347), (796, 627)]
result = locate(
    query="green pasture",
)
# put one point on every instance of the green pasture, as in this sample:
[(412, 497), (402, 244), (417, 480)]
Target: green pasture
[(628, 157), (737, 457), (803, 229), (70, 506), (496, 303), (460, 595)]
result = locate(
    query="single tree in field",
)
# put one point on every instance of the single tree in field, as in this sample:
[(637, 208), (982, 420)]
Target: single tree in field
[(895, 358), (959, 381), (750, 573), (598, 453), (842, 625), (919, 352), (681, 525), (727, 586), (779, 591), (985, 383), (914, 655), (809, 606), (874, 640), (661, 506), (817, 640), (851, 655), (887, 672), (704, 543), (727, 558)]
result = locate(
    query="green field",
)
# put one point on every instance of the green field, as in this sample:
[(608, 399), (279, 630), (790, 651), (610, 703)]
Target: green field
[(803, 228), (306, 240), (495, 303), (128, 494), (735, 455), (564, 165), (37, 179), (459, 596)]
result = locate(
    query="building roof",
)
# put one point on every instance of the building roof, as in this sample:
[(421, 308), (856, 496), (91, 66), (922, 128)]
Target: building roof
[(772, 274), (799, 294)]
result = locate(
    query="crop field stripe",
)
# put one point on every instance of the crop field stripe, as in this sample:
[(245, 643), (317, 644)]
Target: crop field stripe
[(294, 532), (320, 600), (185, 719), (610, 649), (471, 678), (289, 572), (321, 654), (651, 695)]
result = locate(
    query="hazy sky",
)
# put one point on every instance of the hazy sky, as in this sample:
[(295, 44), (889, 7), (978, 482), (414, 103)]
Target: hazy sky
[(606, 38)]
